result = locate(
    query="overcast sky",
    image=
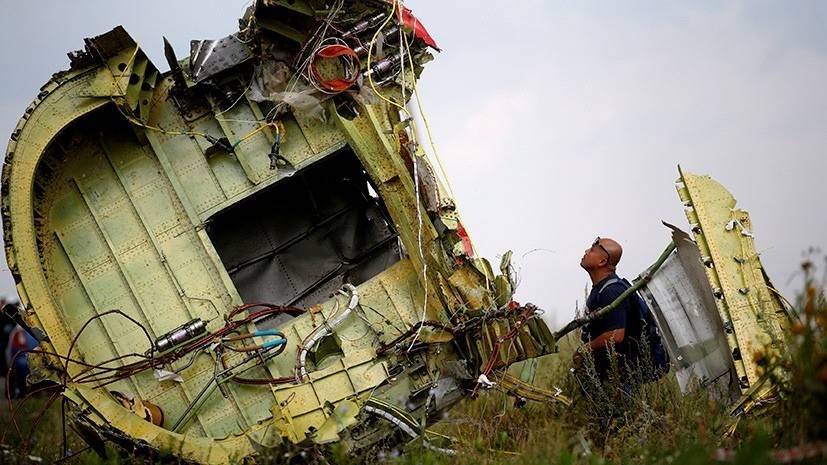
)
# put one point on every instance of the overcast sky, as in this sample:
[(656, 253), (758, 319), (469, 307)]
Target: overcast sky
[(560, 121)]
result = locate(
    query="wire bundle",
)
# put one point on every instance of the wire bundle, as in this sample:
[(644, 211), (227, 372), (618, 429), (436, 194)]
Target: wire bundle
[(350, 64), (103, 374)]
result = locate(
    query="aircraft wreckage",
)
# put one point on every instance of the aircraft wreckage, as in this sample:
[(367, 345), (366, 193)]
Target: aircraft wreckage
[(251, 252)]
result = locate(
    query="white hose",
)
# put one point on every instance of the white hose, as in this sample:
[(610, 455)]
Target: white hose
[(407, 429), (393, 419), (327, 328)]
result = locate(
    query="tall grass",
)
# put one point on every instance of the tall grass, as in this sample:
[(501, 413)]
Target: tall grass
[(658, 425)]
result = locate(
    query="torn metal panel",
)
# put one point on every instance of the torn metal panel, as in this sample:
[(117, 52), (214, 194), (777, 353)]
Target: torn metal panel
[(748, 308), (682, 301), (210, 57), (714, 304), (258, 194), (326, 293)]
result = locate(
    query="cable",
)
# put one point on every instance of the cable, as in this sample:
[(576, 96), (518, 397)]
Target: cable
[(349, 60), (528, 313), (209, 138), (103, 375), (445, 179), (12, 409), (327, 23), (414, 159), (385, 319), (301, 64), (241, 96), (276, 129), (419, 244), (39, 418), (384, 348), (86, 325), (259, 381), (370, 56), (140, 123), (322, 331)]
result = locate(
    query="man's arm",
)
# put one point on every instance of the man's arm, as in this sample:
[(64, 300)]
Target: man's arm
[(611, 337), (611, 327)]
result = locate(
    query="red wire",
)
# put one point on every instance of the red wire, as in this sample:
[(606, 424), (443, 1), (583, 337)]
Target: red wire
[(495, 353), (350, 61), (197, 344)]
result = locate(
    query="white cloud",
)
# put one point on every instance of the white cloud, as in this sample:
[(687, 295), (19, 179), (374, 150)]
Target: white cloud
[(489, 124)]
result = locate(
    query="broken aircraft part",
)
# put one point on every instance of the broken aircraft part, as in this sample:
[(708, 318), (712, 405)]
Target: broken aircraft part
[(682, 301), (250, 252), (714, 303)]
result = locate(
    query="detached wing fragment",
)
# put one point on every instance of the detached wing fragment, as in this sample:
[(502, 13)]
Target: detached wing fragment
[(715, 305)]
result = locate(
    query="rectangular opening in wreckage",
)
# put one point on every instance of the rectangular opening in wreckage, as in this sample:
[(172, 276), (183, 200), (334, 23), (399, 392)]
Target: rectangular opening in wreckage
[(298, 241)]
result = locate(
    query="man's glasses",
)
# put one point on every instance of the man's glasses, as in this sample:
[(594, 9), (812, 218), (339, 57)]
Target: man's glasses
[(597, 243)]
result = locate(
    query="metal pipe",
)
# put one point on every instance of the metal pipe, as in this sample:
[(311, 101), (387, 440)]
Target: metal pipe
[(328, 328)]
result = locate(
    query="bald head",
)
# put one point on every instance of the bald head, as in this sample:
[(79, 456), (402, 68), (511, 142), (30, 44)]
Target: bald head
[(603, 255), (614, 249)]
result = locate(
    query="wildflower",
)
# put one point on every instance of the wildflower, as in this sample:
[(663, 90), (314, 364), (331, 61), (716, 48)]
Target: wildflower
[(809, 307)]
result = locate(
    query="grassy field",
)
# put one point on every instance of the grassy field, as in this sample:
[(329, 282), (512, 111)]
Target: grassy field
[(658, 426)]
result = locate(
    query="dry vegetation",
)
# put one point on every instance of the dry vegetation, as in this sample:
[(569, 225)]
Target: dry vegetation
[(659, 426)]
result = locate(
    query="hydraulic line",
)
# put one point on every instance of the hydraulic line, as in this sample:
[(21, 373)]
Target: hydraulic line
[(325, 330)]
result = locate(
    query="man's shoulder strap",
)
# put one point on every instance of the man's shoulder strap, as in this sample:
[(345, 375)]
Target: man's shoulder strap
[(609, 283)]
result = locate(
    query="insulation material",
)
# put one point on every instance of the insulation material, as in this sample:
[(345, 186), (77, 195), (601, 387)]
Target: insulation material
[(301, 240), (682, 301)]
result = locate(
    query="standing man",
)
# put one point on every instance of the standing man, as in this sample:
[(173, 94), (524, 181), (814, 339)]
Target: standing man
[(609, 337)]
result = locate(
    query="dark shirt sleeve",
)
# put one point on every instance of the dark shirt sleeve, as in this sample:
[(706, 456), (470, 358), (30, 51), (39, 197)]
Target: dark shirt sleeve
[(616, 319)]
